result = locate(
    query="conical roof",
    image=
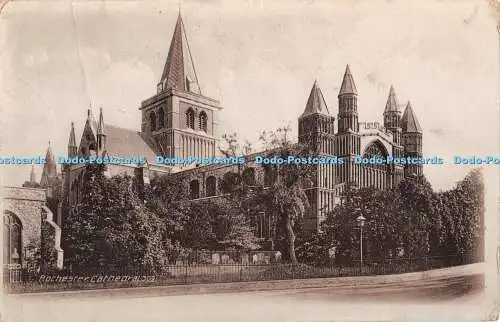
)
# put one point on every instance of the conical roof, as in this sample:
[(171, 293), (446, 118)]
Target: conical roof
[(316, 103), (179, 72), (392, 104), (348, 86), (409, 122)]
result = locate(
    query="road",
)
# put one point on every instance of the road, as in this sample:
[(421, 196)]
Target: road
[(459, 298)]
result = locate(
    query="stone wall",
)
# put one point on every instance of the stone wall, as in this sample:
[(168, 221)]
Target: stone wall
[(26, 204)]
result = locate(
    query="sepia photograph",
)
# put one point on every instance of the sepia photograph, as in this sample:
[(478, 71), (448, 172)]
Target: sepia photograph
[(249, 160)]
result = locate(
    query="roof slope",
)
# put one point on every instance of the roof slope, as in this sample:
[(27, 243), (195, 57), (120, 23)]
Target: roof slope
[(128, 143)]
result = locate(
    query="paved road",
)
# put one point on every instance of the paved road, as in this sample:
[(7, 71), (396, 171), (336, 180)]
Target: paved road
[(438, 299)]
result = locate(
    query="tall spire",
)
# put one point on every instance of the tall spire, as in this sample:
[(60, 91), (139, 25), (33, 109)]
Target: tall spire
[(409, 122), (348, 86), (72, 138), (392, 104), (91, 121), (316, 102), (49, 173), (72, 147), (179, 72), (100, 126)]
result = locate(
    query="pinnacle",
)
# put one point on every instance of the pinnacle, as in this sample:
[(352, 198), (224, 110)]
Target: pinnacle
[(392, 104)]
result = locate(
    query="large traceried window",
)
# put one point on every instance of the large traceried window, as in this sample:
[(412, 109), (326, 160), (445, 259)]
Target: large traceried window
[(190, 118), (377, 150), (12, 239)]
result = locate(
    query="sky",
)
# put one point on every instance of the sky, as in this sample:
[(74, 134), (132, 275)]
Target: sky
[(259, 58)]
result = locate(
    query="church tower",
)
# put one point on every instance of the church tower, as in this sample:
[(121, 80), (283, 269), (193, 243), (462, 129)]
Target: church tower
[(347, 141), (316, 129), (316, 124), (179, 120), (392, 122), (412, 141)]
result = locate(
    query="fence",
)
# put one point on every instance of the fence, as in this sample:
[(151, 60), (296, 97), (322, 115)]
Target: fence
[(19, 280)]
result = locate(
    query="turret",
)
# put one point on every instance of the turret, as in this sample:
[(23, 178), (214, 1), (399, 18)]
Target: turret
[(32, 175), (348, 104), (392, 116), (72, 147), (412, 141), (316, 124), (101, 134)]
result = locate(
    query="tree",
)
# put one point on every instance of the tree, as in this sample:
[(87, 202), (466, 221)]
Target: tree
[(394, 218), (111, 228), (231, 146), (83, 221), (284, 197)]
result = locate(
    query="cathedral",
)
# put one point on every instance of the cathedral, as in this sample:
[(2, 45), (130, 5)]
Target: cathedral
[(180, 121)]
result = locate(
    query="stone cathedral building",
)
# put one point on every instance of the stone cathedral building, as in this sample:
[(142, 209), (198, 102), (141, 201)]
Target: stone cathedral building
[(180, 121)]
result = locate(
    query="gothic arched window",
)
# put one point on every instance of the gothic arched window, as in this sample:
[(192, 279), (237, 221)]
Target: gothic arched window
[(194, 189), (152, 120), (211, 186), (161, 118), (190, 118), (377, 150), (203, 121), (12, 238)]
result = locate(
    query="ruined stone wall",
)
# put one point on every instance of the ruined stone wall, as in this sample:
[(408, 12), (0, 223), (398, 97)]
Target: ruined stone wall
[(26, 204)]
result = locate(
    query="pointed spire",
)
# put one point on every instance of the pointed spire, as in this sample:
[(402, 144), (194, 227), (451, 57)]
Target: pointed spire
[(72, 138), (179, 72), (32, 174), (100, 126), (91, 121), (392, 104), (409, 122), (348, 86), (49, 173), (316, 102)]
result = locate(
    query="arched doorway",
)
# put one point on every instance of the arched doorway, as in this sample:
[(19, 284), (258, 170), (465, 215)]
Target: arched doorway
[(12, 239)]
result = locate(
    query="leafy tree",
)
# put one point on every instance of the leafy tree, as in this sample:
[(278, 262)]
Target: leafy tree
[(111, 228), (284, 197)]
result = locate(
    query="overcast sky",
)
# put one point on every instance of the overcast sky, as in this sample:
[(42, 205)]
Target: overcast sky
[(259, 58)]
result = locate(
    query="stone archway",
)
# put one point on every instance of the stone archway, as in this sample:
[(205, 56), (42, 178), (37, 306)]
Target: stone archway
[(12, 239)]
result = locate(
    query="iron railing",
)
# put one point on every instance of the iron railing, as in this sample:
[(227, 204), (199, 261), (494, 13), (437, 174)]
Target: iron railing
[(21, 280)]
